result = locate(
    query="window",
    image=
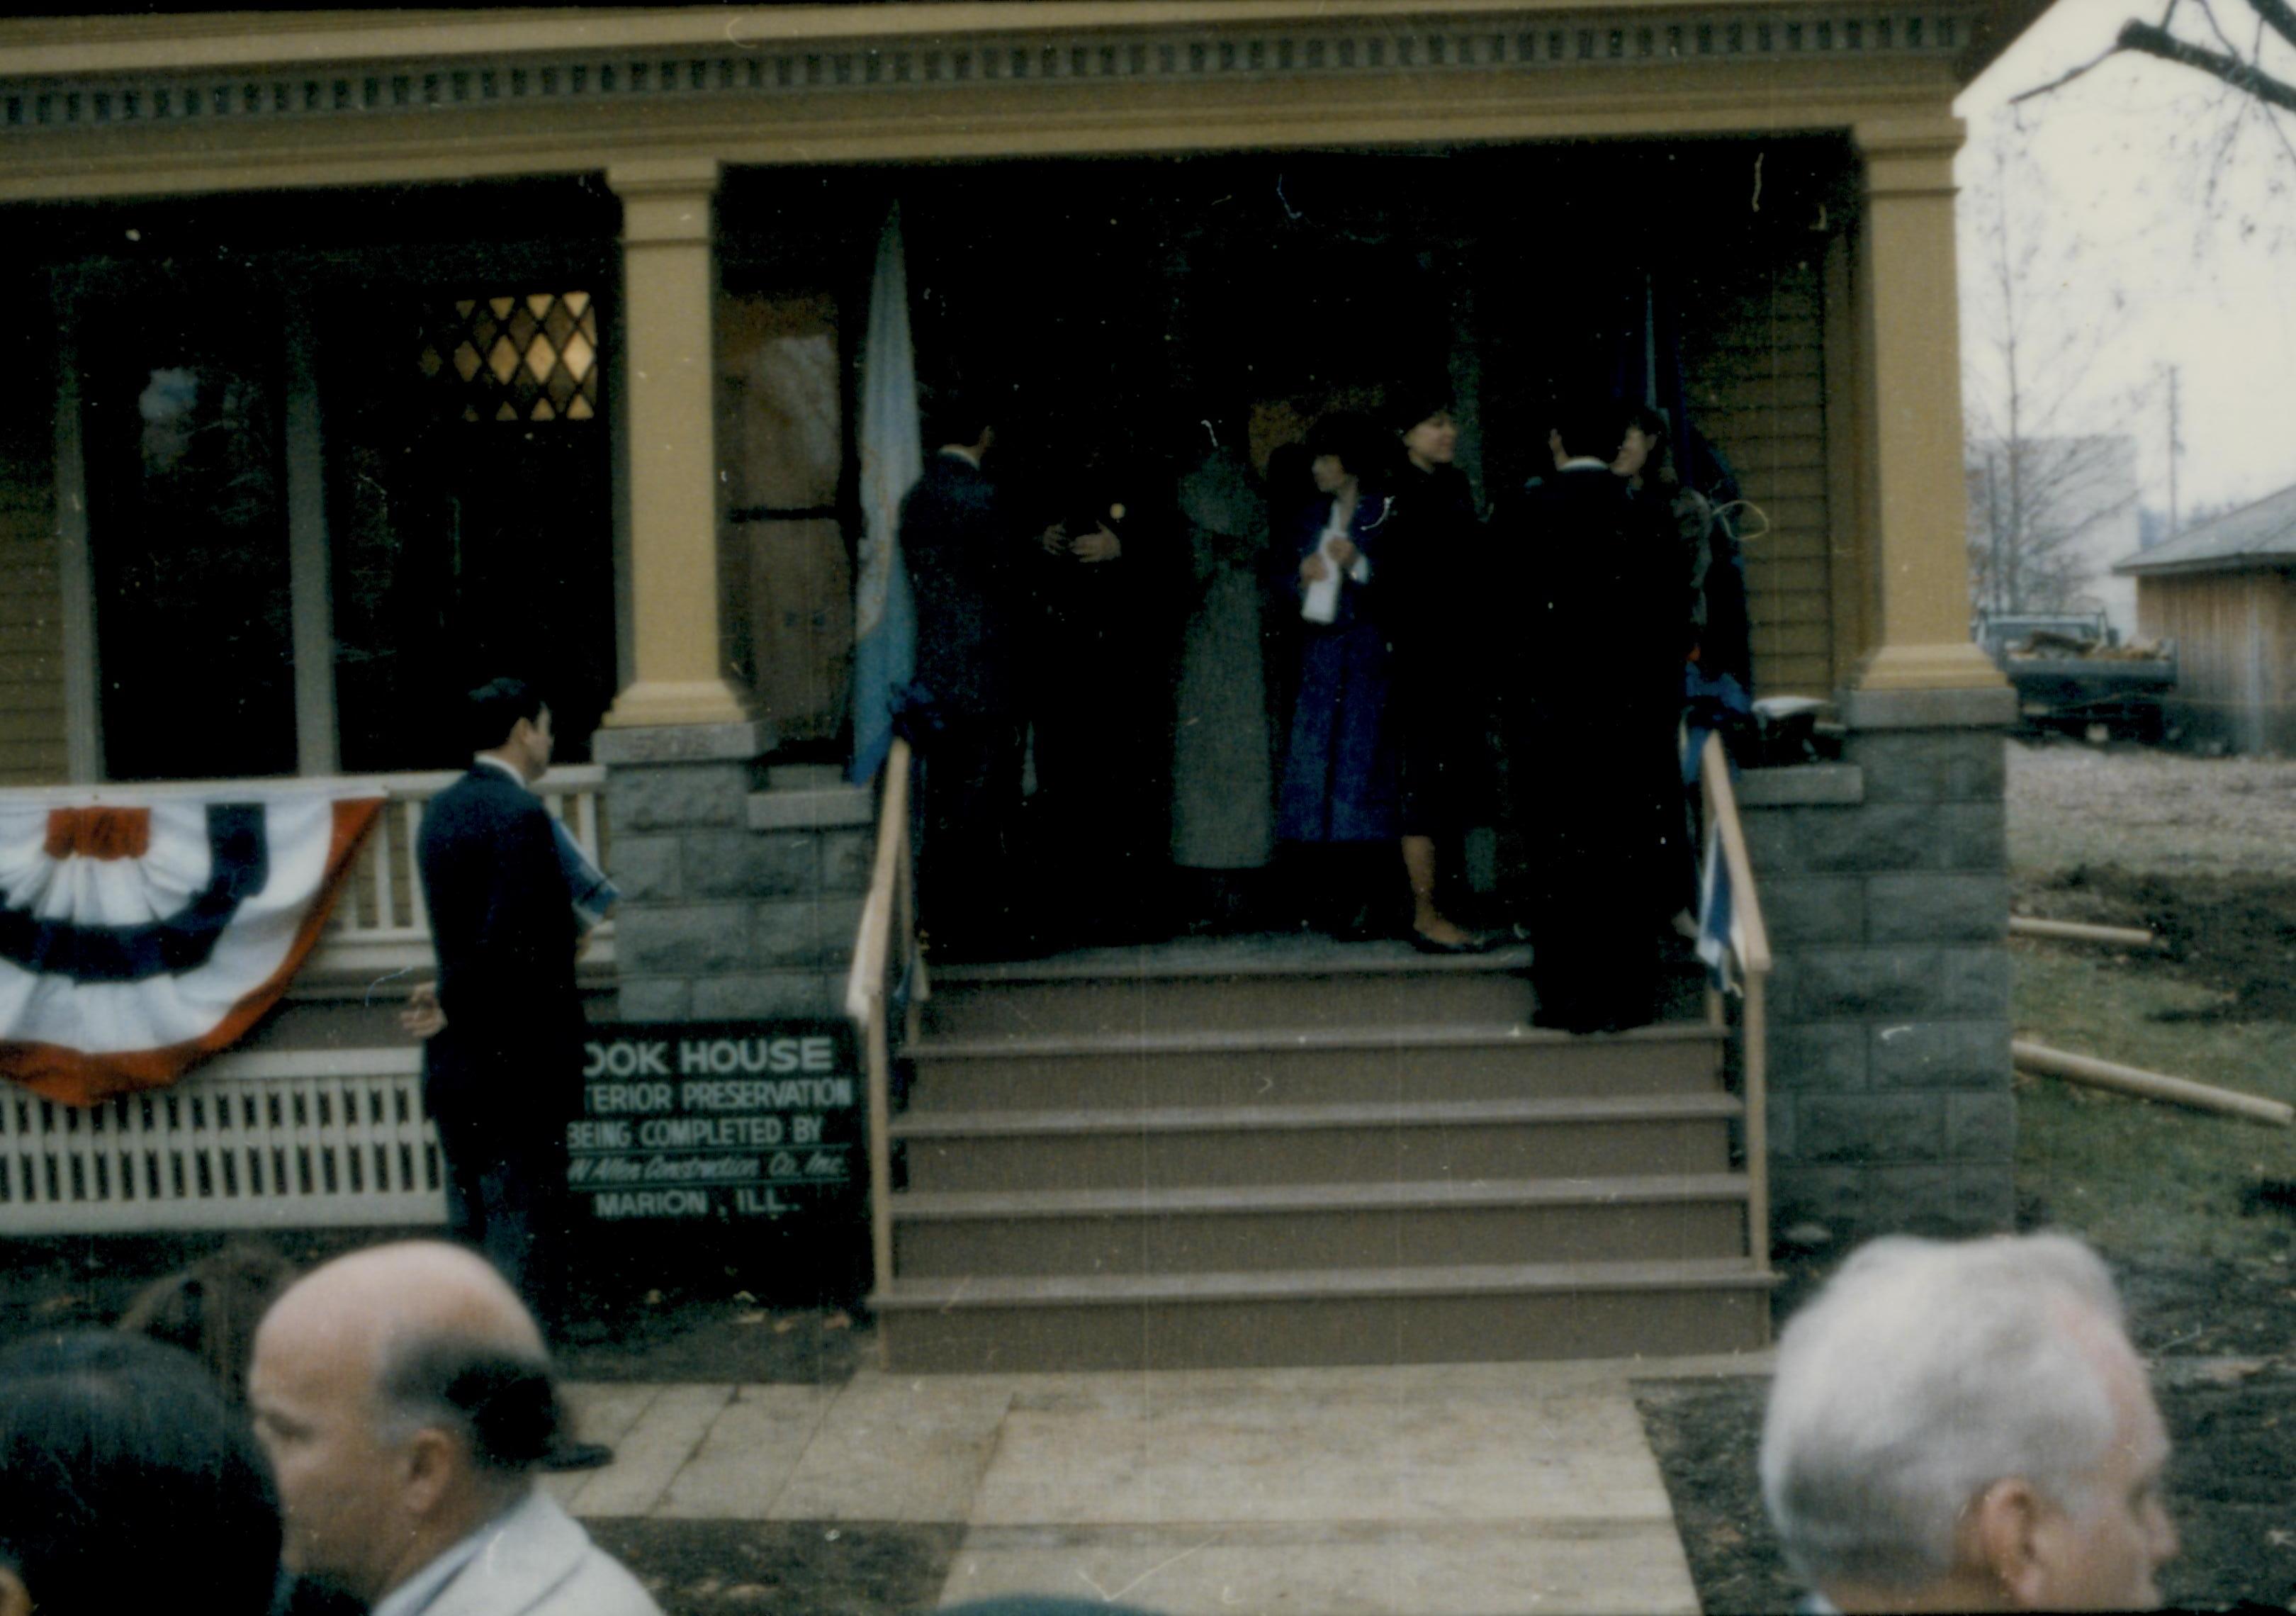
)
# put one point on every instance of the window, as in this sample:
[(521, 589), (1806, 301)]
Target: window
[(524, 358), (182, 416)]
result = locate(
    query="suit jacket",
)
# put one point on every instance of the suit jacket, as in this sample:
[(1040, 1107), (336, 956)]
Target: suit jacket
[(962, 556), (502, 920), (538, 1561)]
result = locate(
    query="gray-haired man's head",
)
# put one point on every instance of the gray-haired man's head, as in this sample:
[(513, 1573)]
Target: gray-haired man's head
[(1966, 1426)]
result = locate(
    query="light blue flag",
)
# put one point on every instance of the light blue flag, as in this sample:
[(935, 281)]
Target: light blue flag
[(1720, 939), (892, 459), (594, 897)]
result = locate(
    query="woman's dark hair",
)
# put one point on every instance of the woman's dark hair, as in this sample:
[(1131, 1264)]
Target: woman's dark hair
[(1407, 406), (494, 709), (1353, 441), (126, 1483), (210, 1310), (1658, 471)]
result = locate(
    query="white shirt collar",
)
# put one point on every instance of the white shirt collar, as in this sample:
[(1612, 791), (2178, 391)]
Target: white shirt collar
[(415, 1596), (485, 761), (1584, 462)]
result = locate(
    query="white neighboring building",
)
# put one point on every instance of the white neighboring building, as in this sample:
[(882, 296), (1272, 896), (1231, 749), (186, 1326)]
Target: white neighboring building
[(2080, 500)]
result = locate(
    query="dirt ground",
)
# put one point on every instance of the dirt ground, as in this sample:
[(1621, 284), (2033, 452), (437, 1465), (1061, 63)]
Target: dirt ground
[(784, 1567), (2197, 1215), (2231, 1481), (690, 1330), (2200, 850), (2232, 936)]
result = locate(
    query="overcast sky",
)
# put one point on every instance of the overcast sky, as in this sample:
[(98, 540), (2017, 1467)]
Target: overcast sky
[(2134, 254)]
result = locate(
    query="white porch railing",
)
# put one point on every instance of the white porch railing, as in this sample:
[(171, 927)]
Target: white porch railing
[(277, 1138), (323, 1138), (380, 928)]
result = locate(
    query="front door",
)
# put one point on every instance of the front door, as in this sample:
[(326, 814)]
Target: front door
[(471, 513)]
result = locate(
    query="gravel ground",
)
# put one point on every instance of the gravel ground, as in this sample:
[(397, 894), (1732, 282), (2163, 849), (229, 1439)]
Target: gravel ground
[(2159, 812)]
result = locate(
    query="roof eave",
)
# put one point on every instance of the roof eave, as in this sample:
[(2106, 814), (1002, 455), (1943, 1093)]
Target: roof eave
[(2004, 23), (2246, 561)]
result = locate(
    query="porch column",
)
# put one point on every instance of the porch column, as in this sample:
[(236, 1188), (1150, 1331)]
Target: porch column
[(669, 287), (1915, 508)]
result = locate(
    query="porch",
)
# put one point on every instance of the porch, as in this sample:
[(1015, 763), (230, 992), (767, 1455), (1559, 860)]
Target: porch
[(667, 228)]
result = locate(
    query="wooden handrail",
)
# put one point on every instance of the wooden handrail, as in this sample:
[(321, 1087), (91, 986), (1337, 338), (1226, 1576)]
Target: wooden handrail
[(1750, 940), (865, 995), (1746, 904)]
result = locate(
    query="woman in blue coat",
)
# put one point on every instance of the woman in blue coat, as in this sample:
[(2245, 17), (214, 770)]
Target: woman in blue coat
[(1341, 786)]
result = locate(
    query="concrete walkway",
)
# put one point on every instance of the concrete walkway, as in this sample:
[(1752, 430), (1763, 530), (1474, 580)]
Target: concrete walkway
[(1455, 1490)]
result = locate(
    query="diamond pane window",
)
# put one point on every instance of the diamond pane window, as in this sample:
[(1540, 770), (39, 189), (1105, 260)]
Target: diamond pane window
[(533, 356)]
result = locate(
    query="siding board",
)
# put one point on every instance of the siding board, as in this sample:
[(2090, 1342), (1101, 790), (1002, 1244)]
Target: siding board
[(1755, 377), (32, 750)]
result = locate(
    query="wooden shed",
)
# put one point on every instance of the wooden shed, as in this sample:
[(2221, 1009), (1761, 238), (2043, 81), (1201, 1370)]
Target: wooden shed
[(2226, 591)]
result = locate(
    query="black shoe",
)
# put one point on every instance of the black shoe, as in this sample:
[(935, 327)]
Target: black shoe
[(578, 1455)]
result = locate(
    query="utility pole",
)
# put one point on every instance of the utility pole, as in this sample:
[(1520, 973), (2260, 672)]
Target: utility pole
[(2173, 446), (1993, 526)]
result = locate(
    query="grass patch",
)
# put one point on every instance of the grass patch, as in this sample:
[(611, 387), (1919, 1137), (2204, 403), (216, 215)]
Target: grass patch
[(2141, 1179)]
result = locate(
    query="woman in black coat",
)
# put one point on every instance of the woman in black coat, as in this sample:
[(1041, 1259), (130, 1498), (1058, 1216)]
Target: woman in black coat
[(1436, 570)]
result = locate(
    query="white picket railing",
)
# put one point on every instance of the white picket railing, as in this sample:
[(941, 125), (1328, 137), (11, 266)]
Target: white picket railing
[(277, 1138), (380, 927), (281, 1140)]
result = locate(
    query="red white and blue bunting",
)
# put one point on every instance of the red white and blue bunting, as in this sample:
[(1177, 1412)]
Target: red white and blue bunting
[(137, 938)]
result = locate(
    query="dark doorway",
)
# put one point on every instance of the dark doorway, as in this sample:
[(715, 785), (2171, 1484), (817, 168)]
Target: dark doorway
[(470, 511)]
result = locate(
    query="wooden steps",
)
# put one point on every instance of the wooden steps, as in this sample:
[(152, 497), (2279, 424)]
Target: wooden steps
[(1282, 1151), (1313, 1065), (1212, 988), (1247, 1145), (1231, 1229), (1341, 1315)]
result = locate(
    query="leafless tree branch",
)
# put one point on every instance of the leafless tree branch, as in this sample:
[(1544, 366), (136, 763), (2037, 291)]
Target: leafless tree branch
[(2066, 77), (2256, 54), (2216, 27), (2150, 39), (2279, 15)]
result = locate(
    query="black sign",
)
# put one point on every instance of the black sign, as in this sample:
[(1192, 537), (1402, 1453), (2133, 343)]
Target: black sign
[(718, 1121)]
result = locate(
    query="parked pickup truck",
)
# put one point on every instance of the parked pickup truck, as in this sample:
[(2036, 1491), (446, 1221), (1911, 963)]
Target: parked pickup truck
[(2074, 673)]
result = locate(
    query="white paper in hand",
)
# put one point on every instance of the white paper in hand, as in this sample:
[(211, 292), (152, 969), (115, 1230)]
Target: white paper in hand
[(1321, 602)]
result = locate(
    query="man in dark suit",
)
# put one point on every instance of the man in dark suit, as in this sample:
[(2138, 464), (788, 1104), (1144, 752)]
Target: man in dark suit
[(963, 555), (1591, 694), (503, 922)]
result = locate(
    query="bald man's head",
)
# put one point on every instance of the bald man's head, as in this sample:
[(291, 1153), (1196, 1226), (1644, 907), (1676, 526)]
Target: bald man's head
[(417, 1286), (404, 1396)]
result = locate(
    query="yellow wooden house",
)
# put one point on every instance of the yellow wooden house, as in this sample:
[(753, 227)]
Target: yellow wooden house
[(356, 349)]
